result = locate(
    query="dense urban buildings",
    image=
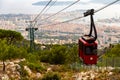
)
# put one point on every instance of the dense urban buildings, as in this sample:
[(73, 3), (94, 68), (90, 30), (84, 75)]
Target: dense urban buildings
[(108, 29)]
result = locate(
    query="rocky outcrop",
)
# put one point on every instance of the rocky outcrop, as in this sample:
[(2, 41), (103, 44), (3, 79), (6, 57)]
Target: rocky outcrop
[(100, 73), (13, 71)]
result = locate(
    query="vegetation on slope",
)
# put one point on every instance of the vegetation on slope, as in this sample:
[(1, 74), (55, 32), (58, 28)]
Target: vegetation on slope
[(13, 46)]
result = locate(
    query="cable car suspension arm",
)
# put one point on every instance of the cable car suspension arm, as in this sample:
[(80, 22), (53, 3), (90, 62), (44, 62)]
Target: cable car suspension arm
[(92, 25)]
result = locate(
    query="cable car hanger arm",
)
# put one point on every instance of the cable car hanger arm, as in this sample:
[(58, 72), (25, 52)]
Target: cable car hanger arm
[(92, 25)]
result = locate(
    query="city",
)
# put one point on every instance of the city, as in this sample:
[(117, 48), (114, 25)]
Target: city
[(108, 29)]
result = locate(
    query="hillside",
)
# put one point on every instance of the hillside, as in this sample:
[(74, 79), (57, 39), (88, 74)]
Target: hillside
[(54, 62)]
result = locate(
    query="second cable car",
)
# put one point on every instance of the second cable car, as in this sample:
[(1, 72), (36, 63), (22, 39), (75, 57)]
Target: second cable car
[(88, 44)]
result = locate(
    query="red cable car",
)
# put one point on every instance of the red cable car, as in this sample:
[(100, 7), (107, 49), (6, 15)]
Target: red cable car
[(88, 44)]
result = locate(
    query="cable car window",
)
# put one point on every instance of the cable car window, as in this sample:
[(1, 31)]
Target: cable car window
[(90, 50)]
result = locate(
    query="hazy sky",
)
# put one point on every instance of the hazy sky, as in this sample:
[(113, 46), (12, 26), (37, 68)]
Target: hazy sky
[(25, 6)]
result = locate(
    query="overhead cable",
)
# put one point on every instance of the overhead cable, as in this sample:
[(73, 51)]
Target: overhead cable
[(85, 16), (106, 6), (42, 10), (52, 3), (61, 10)]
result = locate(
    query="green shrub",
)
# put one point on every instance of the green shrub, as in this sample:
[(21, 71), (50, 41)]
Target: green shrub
[(45, 56), (114, 51), (116, 70), (57, 55), (36, 66), (32, 57), (51, 76), (60, 54)]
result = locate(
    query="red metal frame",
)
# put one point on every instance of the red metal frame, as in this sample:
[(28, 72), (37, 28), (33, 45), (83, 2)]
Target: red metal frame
[(87, 59)]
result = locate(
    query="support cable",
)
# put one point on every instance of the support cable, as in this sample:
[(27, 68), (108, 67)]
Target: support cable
[(106, 6), (42, 10), (85, 16), (61, 10), (31, 28), (47, 10), (50, 6)]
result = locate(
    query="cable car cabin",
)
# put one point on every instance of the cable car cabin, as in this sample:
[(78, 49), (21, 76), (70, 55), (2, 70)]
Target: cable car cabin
[(88, 50)]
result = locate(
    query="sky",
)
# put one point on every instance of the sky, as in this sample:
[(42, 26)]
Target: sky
[(27, 7)]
